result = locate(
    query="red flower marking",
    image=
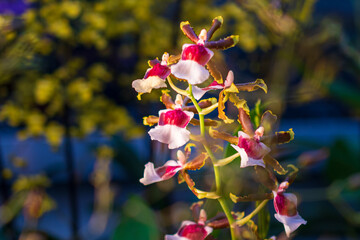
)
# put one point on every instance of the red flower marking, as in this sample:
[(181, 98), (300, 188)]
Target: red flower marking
[(193, 232), (252, 147), (166, 172), (159, 70), (175, 117), (284, 206), (197, 53)]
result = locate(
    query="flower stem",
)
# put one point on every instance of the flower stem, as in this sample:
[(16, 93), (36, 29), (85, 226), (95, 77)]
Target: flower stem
[(221, 200), (252, 214)]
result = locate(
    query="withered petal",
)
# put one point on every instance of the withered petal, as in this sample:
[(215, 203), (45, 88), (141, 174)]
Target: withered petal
[(251, 197), (216, 24), (269, 160), (252, 86), (245, 121), (197, 162), (223, 44), (150, 120), (214, 72), (188, 31)]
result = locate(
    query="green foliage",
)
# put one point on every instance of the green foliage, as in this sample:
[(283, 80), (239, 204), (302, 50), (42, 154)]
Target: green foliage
[(138, 221)]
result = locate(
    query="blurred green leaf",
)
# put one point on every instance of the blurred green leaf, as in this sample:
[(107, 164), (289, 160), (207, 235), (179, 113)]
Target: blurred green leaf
[(343, 161), (263, 221), (138, 222)]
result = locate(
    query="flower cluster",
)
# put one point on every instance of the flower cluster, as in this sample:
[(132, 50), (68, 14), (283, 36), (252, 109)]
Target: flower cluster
[(195, 66)]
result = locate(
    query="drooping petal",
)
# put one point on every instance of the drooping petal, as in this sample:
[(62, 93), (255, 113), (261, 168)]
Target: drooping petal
[(290, 223), (191, 71), (199, 92), (148, 84), (285, 205), (152, 175), (172, 135)]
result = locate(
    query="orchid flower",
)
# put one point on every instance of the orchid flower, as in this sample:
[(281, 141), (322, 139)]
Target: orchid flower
[(194, 57), (171, 128), (154, 77), (285, 207), (199, 92), (165, 172), (251, 150), (192, 231)]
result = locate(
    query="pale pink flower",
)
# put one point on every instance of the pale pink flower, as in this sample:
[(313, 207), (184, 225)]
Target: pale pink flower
[(194, 57), (251, 150), (171, 128), (285, 205), (154, 77)]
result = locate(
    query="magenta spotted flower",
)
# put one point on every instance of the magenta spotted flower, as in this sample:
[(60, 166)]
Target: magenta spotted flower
[(192, 231), (171, 128), (194, 57), (154, 77), (285, 205), (199, 92), (251, 150)]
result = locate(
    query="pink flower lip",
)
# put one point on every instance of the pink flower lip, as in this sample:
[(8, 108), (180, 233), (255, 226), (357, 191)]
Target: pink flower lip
[(193, 232), (162, 71), (175, 117), (197, 53), (284, 206)]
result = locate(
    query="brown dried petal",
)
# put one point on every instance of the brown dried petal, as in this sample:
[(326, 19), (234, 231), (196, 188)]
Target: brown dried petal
[(150, 120), (269, 160), (224, 136), (197, 162), (284, 136), (266, 177), (292, 175), (188, 31), (251, 197), (216, 24), (174, 59), (252, 86), (245, 122), (196, 208), (198, 193), (222, 100), (223, 44), (203, 104), (268, 120), (215, 73), (166, 100)]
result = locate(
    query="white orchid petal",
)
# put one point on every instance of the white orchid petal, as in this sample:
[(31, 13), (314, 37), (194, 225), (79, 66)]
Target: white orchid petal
[(150, 175), (198, 92), (148, 84), (170, 134), (191, 71), (290, 223)]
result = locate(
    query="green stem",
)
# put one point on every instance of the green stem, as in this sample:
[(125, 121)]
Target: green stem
[(221, 200), (251, 215)]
